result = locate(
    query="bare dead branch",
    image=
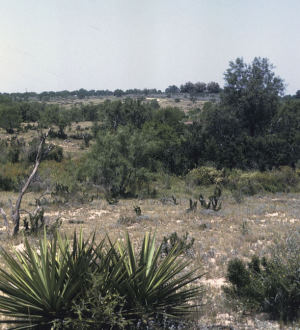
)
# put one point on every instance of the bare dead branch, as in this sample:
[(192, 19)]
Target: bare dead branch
[(16, 211)]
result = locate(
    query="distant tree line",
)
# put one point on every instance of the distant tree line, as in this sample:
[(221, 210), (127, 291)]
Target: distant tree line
[(82, 93), (79, 94)]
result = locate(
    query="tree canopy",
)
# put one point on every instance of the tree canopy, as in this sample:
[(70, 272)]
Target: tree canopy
[(252, 91)]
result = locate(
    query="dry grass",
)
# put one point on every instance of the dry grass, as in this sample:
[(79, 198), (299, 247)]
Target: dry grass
[(238, 230)]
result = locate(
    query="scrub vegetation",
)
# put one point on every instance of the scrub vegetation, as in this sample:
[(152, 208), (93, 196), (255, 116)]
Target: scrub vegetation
[(91, 180)]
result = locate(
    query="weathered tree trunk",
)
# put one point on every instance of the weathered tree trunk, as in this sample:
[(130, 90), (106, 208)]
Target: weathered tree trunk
[(15, 211)]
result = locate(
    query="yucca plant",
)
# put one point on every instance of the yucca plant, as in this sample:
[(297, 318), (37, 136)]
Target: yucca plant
[(40, 287), (69, 283), (154, 288)]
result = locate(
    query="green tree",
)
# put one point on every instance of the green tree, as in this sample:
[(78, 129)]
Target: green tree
[(286, 127), (116, 162), (252, 91), (163, 147)]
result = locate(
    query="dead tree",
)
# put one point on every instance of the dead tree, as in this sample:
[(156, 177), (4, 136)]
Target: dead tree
[(15, 210)]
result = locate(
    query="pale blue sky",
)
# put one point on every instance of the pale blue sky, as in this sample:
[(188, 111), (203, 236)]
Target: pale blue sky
[(97, 44)]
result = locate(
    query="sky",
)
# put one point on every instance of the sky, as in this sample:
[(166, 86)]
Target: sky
[(108, 44)]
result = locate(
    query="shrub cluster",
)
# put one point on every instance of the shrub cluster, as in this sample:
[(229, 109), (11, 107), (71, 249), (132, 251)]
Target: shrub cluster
[(205, 176), (271, 285), (284, 179)]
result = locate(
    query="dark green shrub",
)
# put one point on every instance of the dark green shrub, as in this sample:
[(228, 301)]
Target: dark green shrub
[(55, 153), (116, 163), (50, 151), (6, 184), (11, 176), (271, 285)]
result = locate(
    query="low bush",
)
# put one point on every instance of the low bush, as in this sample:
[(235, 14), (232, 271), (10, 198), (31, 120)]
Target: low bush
[(205, 176), (270, 285)]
